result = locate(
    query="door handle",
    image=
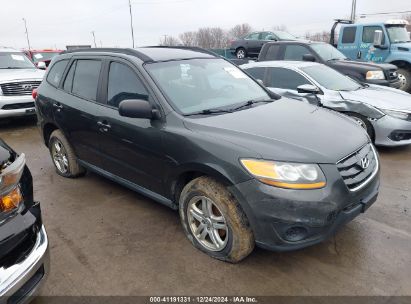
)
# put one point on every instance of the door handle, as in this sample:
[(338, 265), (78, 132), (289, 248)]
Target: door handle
[(359, 55), (57, 105), (103, 126)]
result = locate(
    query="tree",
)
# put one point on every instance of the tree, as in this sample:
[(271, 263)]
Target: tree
[(281, 27), (240, 30), (408, 18), (189, 38), (169, 41)]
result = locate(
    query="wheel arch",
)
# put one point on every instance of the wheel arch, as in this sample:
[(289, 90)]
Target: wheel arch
[(187, 173), (401, 64), (48, 128)]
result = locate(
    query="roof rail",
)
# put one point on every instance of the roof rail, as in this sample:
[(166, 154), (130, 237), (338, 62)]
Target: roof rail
[(183, 47), (127, 51)]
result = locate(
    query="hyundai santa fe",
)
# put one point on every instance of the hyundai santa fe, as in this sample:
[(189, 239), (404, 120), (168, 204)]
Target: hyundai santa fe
[(196, 133)]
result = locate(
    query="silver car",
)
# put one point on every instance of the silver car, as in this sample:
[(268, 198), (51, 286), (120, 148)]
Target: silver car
[(18, 77), (384, 112)]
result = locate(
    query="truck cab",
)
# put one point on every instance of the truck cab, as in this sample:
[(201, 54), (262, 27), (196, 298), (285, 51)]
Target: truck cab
[(387, 42)]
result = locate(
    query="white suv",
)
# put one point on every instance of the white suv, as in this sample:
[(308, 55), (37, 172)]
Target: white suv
[(18, 77)]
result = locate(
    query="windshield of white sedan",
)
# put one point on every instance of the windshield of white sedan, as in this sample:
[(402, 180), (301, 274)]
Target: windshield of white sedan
[(202, 84), (331, 79), (327, 52), (15, 61)]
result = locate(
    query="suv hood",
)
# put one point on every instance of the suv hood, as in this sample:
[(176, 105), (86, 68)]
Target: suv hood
[(8, 75), (286, 130), (380, 97), (361, 65)]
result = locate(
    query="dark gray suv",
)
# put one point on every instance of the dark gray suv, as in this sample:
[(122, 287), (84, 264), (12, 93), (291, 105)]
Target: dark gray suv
[(194, 132)]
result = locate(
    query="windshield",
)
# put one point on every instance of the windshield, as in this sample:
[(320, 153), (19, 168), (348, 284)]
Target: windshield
[(331, 79), (398, 34), (201, 84), (284, 35), (327, 52), (15, 61), (43, 56)]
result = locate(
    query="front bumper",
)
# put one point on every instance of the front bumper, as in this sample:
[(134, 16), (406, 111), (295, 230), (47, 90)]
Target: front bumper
[(396, 84), (12, 106), (284, 219), (386, 127), (20, 281)]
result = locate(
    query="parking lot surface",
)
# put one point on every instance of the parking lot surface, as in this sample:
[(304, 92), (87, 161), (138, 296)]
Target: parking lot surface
[(108, 240)]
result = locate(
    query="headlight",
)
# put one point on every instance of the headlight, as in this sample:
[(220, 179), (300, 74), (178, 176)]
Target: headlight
[(398, 114), (286, 175), (375, 75), (10, 195)]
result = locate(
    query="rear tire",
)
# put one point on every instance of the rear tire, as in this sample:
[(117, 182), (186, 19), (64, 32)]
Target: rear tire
[(241, 53), (405, 76), (214, 222), (364, 123), (63, 157)]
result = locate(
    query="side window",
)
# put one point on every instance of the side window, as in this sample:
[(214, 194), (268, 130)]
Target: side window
[(273, 52), (68, 82), (257, 73), (86, 77), (349, 34), (368, 34), (295, 52), (123, 83), (267, 36), (253, 36), (56, 72), (286, 79)]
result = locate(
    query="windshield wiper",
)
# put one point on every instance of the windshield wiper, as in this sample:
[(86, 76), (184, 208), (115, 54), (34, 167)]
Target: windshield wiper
[(12, 68), (209, 112), (250, 103)]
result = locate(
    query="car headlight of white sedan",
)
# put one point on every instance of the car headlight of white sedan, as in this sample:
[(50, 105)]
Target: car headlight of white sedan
[(398, 114), (375, 75)]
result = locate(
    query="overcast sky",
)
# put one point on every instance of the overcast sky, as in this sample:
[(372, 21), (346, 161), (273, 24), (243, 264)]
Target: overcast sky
[(57, 23)]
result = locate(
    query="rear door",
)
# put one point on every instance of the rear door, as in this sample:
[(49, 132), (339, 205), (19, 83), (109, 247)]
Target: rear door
[(75, 112), (131, 147), (347, 42)]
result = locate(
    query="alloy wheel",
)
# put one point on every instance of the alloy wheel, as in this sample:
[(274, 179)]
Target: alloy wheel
[(403, 81), (240, 54), (59, 155), (207, 223)]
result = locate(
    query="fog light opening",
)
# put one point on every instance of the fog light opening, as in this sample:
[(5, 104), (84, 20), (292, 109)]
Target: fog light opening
[(295, 234)]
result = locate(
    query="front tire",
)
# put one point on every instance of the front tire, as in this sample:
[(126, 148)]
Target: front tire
[(405, 78), (63, 157), (214, 222)]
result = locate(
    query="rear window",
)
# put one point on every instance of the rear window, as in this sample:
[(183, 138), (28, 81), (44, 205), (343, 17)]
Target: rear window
[(273, 52), (56, 72), (86, 77), (349, 34)]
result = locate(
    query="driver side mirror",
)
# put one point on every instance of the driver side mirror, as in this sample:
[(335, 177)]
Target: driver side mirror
[(41, 65), (378, 37), (309, 57), (137, 108), (308, 88)]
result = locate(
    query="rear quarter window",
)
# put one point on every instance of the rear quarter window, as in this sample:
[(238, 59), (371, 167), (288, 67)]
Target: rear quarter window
[(349, 34), (273, 52), (56, 72)]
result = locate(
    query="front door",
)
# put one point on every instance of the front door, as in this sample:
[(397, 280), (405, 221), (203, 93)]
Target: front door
[(131, 147), (368, 51)]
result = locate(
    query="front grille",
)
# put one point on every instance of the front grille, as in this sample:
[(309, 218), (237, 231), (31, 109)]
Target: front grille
[(15, 106), (353, 168), (19, 88)]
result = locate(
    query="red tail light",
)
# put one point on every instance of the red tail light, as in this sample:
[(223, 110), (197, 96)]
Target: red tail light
[(34, 94)]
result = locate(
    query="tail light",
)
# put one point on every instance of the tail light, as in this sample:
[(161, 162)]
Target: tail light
[(34, 94)]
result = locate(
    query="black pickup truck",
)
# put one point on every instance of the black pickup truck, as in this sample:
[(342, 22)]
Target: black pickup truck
[(365, 72)]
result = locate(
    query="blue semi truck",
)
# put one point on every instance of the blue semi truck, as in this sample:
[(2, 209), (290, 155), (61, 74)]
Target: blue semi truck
[(387, 42)]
